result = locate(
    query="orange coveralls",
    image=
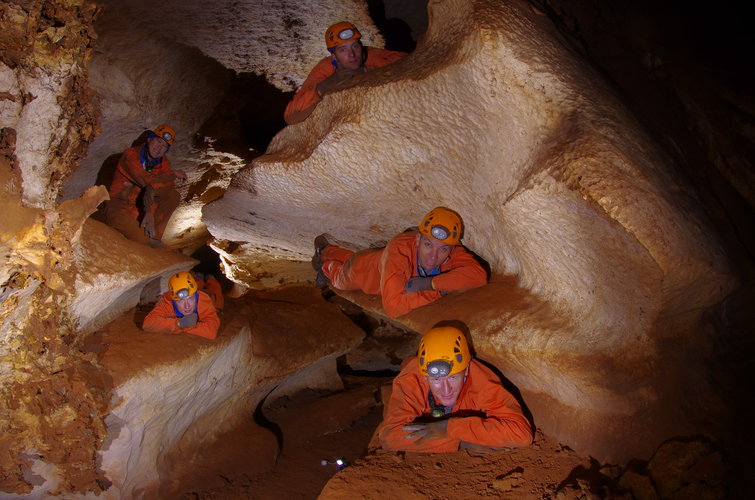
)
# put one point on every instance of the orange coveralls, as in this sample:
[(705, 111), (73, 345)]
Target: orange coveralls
[(503, 425), (385, 271), (307, 95), (129, 181), (162, 318)]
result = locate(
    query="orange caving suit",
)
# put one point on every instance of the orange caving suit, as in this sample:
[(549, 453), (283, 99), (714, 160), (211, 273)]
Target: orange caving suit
[(307, 95), (129, 181), (162, 318), (504, 425), (385, 271)]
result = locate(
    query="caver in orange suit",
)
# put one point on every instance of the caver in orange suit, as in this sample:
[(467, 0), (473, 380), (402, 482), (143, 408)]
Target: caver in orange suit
[(503, 424), (129, 181), (163, 318), (385, 271), (307, 96)]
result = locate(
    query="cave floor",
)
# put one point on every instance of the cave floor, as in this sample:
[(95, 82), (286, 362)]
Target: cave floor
[(316, 428), (278, 451)]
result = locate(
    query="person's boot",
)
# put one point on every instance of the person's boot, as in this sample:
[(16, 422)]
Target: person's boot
[(321, 281), (320, 243)]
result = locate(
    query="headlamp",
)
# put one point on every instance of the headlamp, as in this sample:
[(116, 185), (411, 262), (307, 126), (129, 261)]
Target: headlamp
[(182, 293), (439, 232), (438, 368), (167, 137), (346, 34)]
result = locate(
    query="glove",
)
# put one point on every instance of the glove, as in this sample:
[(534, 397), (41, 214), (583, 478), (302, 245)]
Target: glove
[(418, 284), (425, 432), (148, 197), (148, 224), (188, 320), (334, 81)]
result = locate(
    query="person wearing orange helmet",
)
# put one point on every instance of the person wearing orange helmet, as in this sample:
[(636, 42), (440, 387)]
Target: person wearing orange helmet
[(189, 306), (142, 193), (414, 269), (444, 400), (348, 57)]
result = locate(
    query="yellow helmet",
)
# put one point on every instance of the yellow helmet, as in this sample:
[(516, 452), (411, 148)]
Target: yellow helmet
[(443, 224), (182, 286), (166, 133), (443, 351), (339, 33)]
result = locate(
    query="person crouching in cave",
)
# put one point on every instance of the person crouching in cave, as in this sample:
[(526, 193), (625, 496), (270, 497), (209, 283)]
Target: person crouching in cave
[(414, 269), (142, 194), (189, 306), (444, 400), (348, 58)]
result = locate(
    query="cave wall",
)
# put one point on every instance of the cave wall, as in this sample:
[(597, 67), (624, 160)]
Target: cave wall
[(49, 406), (497, 117), (559, 185)]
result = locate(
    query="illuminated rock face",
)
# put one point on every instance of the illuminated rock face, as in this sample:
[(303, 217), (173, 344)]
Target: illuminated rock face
[(557, 185)]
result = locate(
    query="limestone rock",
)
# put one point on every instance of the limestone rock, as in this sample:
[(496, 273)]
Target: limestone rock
[(493, 116), (174, 393)]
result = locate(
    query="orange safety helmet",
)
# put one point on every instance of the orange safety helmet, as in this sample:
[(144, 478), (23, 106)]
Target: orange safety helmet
[(443, 224), (182, 286), (443, 351), (339, 33), (166, 133)]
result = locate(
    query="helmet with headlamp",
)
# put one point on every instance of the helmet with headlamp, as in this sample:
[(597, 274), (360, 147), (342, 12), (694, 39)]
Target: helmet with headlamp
[(443, 224), (443, 351), (165, 132), (340, 33), (182, 286)]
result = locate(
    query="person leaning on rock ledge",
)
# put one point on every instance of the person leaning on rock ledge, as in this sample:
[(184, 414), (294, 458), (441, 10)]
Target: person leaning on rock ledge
[(444, 400), (142, 194), (348, 58), (189, 306), (414, 269)]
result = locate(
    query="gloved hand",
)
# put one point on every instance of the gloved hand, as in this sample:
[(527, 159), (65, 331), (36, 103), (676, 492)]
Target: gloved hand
[(418, 284), (427, 431), (480, 449), (334, 81), (148, 196), (180, 176), (148, 224), (188, 320)]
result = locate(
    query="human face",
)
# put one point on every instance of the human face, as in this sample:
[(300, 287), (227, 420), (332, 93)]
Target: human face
[(446, 389), (156, 147), (348, 55), (186, 306), (432, 252)]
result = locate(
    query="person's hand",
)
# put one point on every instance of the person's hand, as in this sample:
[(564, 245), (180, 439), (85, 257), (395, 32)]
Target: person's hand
[(180, 176), (148, 197), (418, 284), (148, 224), (427, 431), (334, 81), (479, 449), (188, 320)]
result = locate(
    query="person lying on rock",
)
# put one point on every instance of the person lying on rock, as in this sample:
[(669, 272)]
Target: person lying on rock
[(189, 306), (142, 194), (348, 58), (416, 268), (444, 400)]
